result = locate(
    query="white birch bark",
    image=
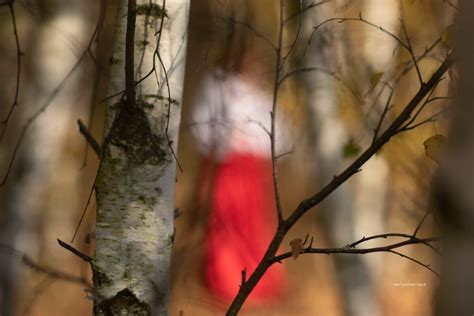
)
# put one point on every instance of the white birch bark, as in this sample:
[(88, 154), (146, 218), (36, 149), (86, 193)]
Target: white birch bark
[(134, 188)]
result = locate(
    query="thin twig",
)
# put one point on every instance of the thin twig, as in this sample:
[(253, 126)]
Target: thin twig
[(359, 19), (50, 272), (308, 7), (375, 101), (352, 250), (387, 108), (273, 114), (253, 30), (4, 123), (286, 153), (410, 64), (170, 144), (37, 290), (89, 138), (349, 249), (298, 30), (85, 209), (412, 54), (427, 266), (43, 108), (325, 71), (388, 235), (76, 252), (98, 71), (421, 222), (430, 119), (420, 109)]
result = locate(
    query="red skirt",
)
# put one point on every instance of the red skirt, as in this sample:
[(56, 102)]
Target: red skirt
[(242, 221)]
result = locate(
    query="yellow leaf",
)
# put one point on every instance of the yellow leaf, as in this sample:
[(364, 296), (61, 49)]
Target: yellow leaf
[(434, 147), (448, 37), (351, 149), (296, 247), (375, 79)]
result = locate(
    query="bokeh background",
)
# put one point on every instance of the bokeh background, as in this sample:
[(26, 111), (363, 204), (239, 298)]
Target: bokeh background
[(332, 113)]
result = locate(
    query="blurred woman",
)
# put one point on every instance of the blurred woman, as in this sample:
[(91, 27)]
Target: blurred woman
[(231, 123)]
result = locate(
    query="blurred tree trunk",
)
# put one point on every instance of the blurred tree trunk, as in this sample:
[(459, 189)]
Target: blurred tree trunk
[(454, 185), (346, 210), (30, 211), (135, 184)]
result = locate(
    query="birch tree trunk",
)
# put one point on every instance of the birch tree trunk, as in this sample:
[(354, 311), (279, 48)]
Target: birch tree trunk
[(134, 188)]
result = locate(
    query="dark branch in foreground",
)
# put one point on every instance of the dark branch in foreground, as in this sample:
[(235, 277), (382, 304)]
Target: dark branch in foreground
[(76, 252), (350, 249), (336, 182), (89, 138)]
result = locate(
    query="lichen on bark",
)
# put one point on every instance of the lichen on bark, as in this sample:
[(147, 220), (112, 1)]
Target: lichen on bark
[(131, 131), (123, 303)]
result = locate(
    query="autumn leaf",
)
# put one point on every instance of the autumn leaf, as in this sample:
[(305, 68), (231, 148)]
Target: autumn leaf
[(296, 247), (448, 37), (375, 79), (351, 149), (434, 147)]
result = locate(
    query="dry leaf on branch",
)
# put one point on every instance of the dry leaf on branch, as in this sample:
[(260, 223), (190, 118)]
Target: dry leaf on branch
[(434, 146), (296, 247)]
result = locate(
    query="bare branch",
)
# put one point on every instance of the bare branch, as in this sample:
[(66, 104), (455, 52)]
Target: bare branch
[(89, 138), (85, 209), (325, 71), (421, 222), (253, 30), (382, 140), (4, 123), (273, 115), (307, 204), (286, 153), (427, 266), (410, 50), (387, 235), (45, 105), (302, 10), (359, 19), (387, 108), (410, 64), (293, 44), (430, 119), (169, 109), (349, 249), (420, 109), (76, 252), (52, 273)]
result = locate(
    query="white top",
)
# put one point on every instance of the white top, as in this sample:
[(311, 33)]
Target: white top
[(231, 115)]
